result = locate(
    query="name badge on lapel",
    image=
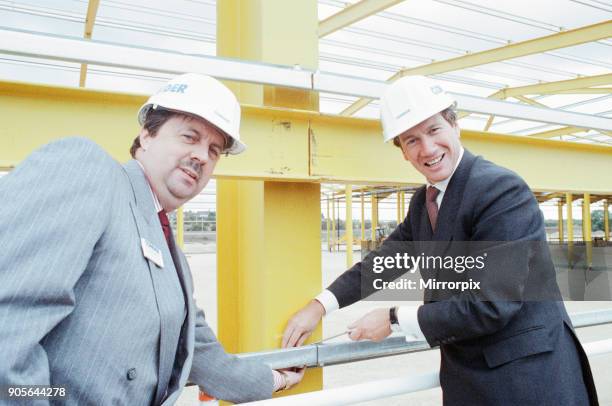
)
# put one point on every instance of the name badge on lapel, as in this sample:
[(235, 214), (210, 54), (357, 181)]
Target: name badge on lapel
[(151, 252)]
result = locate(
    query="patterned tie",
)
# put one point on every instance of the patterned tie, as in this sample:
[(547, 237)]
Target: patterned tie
[(432, 206), (163, 219)]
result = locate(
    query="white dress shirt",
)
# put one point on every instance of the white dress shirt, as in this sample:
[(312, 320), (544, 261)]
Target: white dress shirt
[(279, 380), (406, 315), (158, 206)]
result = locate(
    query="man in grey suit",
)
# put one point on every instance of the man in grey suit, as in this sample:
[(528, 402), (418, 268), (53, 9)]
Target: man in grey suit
[(509, 343), (95, 297)]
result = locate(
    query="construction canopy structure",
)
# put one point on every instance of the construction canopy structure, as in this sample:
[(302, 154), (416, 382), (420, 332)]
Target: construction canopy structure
[(533, 81)]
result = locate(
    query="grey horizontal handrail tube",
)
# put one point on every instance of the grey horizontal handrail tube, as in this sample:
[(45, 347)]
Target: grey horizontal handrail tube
[(318, 355)]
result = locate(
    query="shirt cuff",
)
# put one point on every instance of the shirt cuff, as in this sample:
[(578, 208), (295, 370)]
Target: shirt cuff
[(279, 381), (328, 301), (409, 323)]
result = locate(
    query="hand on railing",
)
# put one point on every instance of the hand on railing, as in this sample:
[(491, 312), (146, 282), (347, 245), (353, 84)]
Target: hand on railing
[(290, 377), (302, 324), (374, 326)]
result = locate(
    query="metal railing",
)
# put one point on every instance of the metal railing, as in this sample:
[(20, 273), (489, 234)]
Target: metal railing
[(384, 388), (318, 355)]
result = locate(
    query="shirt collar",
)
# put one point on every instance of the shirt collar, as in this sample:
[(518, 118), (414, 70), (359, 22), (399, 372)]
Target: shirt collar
[(158, 206), (443, 184)]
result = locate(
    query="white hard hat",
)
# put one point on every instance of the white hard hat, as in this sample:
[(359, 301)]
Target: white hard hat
[(201, 96), (408, 101)]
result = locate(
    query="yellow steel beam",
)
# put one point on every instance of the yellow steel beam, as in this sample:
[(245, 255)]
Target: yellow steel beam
[(327, 226), (362, 162), (500, 96), (529, 47), (560, 219), (374, 222), (547, 196), (180, 227), (348, 226), (570, 228), (263, 242), (333, 239), (489, 123), (90, 19), (597, 198), (529, 101), (593, 90), (586, 218), (586, 229), (399, 206), (568, 85), (287, 145), (353, 13), (552, 133), (561, 86), (606, 221), (567, 131), (362, 217), (338, 237), (558, 132)]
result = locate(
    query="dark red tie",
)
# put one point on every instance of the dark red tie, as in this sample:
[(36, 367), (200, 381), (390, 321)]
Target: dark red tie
[(163, 219), (432, 206)]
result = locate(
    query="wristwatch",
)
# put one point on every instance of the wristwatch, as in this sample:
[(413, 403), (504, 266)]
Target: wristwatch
[(393, 316)]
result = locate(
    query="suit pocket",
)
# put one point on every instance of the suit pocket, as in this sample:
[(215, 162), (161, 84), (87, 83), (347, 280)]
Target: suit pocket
[(533, 341)]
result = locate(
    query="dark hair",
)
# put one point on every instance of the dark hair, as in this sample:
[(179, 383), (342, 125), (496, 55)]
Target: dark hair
[(155, 118), (449, 114)]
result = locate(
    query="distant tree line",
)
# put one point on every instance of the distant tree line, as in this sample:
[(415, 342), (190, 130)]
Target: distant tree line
[(197, 220), (597, 221)]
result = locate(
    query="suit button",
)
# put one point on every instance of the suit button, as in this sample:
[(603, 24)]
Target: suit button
[(131, 374)]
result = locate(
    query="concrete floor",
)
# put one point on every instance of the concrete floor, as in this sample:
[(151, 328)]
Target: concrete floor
[(203, 269)]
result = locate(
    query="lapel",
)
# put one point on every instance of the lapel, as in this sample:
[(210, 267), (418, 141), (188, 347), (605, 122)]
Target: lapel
[(185, 351), (149, 228), (447, 215), (453, 197)]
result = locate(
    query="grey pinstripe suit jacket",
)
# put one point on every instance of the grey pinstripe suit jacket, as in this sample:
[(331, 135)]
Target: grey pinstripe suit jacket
[(81, 307)]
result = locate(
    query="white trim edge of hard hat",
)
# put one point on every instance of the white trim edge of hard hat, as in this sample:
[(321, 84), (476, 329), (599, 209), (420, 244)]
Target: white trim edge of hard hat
[(237, 147), (411, 124)]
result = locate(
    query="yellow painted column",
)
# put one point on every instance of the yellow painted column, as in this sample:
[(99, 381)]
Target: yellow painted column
[(333, 237), (560, 219), (349, 225), (570, 220), (327, 226), (606, 221), (180, 227), (399, 206), (258, 232), (569, 199), (374, 215), (338, 238), (362, 216), (586, 229)]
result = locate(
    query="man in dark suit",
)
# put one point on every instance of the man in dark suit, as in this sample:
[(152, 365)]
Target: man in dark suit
[(509, 343)]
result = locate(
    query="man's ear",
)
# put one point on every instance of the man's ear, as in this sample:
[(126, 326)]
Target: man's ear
[(404, 153), (145, 138)]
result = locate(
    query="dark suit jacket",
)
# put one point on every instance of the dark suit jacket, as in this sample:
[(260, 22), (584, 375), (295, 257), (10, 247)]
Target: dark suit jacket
[(493, 352)]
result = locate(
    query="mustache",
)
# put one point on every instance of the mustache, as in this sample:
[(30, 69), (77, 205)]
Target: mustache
[(193, 165)]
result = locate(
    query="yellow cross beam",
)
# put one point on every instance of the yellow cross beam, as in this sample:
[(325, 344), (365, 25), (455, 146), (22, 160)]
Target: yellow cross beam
[(529, 47)]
